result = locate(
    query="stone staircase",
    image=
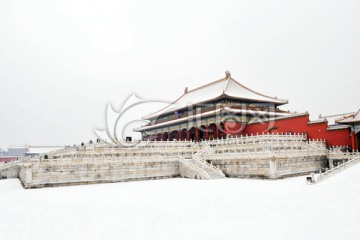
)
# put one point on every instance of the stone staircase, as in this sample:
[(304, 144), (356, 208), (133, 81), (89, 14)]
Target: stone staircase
[(10, 170), (213, 172), (197, 169), (320, 176), (205, 150), (9, 165)]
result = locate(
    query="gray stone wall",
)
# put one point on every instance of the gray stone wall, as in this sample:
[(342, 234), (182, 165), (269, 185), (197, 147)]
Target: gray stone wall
[(83, 171), (243, 167), (266, 156), (299, 165), (270, 167), (10, 173)]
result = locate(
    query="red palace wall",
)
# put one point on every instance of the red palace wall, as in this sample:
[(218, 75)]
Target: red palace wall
[(233, 128), (8, 159), (338, 137), (300, 125)]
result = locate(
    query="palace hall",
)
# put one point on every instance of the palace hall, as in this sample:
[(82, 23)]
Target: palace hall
[(226, 108)]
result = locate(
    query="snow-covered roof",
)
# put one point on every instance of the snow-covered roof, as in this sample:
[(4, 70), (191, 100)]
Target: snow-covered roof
[(354, 118), (258, 112), (43, 149), (11, 147), (276, 118), (209, 113), (212, 112), (336, 127), (225, 87), (322, 120)]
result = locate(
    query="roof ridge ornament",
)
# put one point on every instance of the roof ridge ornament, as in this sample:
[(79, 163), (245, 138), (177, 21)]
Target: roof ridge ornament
[(227, 74)]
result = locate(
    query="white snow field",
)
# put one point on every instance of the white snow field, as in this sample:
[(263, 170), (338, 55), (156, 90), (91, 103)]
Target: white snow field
[(185, 209)]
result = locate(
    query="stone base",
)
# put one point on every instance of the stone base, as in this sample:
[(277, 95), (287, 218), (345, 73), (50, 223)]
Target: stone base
[(95, 182)]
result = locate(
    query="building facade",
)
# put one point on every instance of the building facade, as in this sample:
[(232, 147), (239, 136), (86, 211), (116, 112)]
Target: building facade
[(352, 121), (225, 108), (215, 110)]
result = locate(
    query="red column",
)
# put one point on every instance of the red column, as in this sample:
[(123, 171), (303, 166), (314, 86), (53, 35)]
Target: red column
[(225, 130), (217, 134), (196, 134), (353, 141), (188, 134), (207, 132)]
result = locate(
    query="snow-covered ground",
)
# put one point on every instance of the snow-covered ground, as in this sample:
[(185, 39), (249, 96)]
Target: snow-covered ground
[(185, 209)]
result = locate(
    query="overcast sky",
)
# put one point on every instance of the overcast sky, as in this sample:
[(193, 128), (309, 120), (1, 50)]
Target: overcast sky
[(61, 62)]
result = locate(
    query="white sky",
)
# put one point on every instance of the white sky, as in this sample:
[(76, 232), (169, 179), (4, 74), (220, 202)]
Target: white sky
[(62, 61)]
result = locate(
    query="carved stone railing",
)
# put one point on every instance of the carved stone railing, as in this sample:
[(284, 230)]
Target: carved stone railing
[(258, 138), (267, 154), (318, 177), (173, 147), (15, 163), (334, 155), (190, 170), (9, 165), (247, 146), (209, 166), (207, 150), (317, 143), (285, 145)]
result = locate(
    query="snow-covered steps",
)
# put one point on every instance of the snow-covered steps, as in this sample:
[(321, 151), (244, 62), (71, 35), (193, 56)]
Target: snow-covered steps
[(212, 171), (198, 169), (9, 170), (318, 177)]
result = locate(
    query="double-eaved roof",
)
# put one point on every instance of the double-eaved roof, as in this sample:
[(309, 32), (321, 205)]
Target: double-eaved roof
[(225, 87)]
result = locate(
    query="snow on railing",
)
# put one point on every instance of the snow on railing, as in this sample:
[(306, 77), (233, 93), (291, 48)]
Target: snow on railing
[(266, 153), (209, 165), (193, 167), (318, 177), (205, 151), (271, 142), (103, 158), (11, 164), (256, 138), (337, 154), (278, 148)]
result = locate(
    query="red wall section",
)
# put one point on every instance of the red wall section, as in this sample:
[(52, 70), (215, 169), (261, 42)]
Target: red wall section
[(300, 125), (338, 137), (296, 124), (8, 159), (233, 128)]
